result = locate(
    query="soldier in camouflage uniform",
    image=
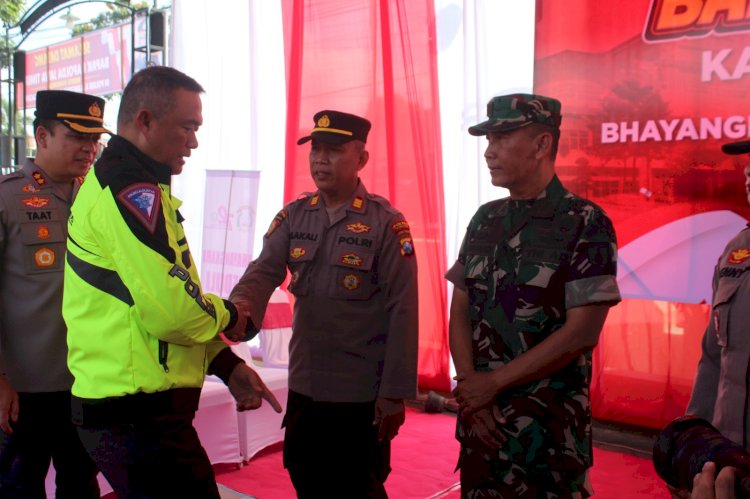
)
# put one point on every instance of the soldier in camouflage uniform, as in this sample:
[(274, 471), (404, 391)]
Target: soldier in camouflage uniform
[(534, 280)]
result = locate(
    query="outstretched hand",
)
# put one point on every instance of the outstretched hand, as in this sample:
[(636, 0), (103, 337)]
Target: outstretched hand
[(8, 405), (248, 389)]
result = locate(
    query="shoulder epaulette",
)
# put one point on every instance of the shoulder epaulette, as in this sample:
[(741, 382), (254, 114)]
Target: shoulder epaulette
[(382, 202), (11, 176)]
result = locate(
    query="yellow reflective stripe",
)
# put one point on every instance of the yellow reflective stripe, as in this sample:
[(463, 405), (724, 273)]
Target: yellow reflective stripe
[(80, 117), (332, 130), (85, 129)]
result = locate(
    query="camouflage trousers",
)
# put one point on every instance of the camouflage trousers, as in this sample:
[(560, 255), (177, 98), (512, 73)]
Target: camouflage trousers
[(483, 478)]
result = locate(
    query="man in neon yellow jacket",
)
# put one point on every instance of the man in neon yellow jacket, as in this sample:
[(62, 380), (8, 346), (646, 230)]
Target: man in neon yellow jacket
[(141, 334)]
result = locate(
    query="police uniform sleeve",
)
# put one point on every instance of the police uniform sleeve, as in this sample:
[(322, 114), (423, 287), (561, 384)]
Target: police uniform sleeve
[(397, 269), (706, 385), (154, 263), (267, 272), (593, 267)]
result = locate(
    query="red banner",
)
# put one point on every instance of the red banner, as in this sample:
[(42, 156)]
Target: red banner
[(64, 65), (650, 89), (96, 63), (102, 62), (36, 76)]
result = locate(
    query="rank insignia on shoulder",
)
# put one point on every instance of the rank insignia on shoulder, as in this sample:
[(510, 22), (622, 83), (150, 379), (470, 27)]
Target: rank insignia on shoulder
[(358, 202), (739, 255), (35, 202), (358, 228), (280, 216), (407, 247), (297, 252), (30, 188), (351, 281), (39, 178), (80, 179), (400, 227), (144, 201), (314, 200), (44, 257)]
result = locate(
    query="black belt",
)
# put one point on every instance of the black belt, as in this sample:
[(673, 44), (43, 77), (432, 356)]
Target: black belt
[(135, 408)]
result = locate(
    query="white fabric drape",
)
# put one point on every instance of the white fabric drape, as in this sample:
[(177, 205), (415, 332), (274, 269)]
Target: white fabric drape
[(485, 48), (235, 49)]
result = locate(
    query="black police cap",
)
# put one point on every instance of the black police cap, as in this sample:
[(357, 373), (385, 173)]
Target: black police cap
[(741, 147), (80, 112), (335, 127)]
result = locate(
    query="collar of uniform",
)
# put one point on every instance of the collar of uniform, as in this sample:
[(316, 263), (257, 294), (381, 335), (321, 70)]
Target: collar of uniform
[(547, 202), (358, 202), (37, 176), (162, 172)]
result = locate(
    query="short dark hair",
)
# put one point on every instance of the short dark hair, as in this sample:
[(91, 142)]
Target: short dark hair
[(46, 123), (536, 129), (152, 88)]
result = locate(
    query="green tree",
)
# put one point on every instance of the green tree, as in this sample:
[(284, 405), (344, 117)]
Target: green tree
[(113, 15), (10, 12)]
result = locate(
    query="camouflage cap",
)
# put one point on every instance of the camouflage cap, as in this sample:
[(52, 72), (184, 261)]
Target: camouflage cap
[(741, 147), (508, 112)]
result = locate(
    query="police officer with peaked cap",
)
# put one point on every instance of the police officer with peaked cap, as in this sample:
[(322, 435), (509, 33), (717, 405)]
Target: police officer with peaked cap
[(35, 381), (353, 351), (721, 393)]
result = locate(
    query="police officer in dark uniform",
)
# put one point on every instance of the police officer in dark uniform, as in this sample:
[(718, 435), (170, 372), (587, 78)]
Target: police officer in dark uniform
[(353, 352), (35, 381)]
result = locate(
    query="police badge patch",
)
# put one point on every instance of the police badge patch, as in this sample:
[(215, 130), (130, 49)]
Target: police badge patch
[(144, 201), (407, 247), (280, 216), (35, 202), (351, 281), (739, 255)]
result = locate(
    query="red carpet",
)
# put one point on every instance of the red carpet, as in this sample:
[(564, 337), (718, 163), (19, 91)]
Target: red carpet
[(423, 458)]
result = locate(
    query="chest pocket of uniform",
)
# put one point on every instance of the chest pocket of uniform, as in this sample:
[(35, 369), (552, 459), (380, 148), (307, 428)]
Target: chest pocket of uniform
[(548, 251), (479, 259), (299, 260), (539, 263), (43, 247), (725, 293), (354, 275)]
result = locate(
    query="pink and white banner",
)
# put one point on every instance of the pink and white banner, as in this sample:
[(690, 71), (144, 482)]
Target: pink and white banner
[(228, 228)]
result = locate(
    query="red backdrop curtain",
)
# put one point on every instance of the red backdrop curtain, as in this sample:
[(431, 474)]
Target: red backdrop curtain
[(675, 199), (377, 58)]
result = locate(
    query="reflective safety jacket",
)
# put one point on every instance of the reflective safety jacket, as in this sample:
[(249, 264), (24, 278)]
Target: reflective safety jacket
[(137, 318)]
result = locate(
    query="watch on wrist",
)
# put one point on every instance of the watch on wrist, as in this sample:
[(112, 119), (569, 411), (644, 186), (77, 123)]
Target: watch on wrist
[(233, 315)]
